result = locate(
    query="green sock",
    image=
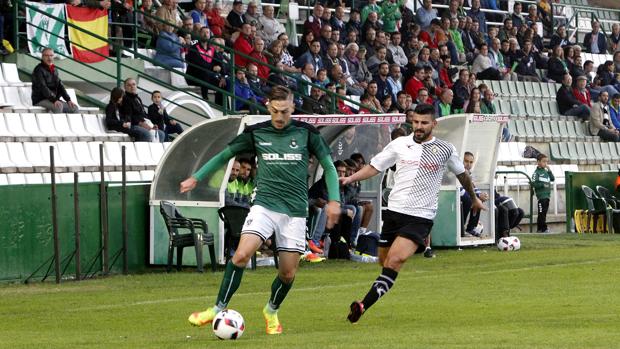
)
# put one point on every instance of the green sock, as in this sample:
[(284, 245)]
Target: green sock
[(230, 284), (279, 290)]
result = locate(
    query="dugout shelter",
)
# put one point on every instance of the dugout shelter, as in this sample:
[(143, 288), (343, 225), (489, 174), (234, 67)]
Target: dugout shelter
[(366, 134)]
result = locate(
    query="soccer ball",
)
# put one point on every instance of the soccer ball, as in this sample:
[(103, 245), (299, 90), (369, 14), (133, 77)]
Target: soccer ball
[(228, 324), (509, 243)]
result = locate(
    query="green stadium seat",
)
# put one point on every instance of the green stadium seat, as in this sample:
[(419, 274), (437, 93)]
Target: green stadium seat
[(580, 131), (538, 109), (617, 149), (536, 89), (566, 135), (519, 105), (495, 86), (597, 151), (555, 131), (546, 128), (565, 152), (513, 91), (615, 155), (582, 154), (605, 167), (531, 135), (574, 153), (504, 88), (538, 130), (522, 91), (504, 107), (605, 151), (529, 108), (555, 153), (553, 109)]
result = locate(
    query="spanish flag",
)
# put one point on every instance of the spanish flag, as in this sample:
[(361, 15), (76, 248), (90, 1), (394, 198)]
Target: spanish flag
[(85, 47)]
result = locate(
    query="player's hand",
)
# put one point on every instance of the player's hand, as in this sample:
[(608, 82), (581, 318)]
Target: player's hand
[(188, 185), (345, 180), (333, 214), (484, 197), (477, 205)]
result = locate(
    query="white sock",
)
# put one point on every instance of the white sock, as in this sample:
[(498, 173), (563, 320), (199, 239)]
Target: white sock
[(362, 231)]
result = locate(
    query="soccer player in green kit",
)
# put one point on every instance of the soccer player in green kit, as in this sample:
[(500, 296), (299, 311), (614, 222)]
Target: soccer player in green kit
[(283, 148)]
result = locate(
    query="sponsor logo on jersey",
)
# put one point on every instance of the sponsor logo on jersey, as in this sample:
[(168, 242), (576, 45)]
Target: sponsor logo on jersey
[(264, 143), (293, 144), (285, 157)]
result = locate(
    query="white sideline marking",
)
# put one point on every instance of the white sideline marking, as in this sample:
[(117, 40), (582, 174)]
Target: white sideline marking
[(428, 274)]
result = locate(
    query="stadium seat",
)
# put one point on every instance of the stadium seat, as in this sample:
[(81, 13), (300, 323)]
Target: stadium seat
[(6, 165), (580, 131), (12, 94), (157, 151), (76, 124), (11, 75), (555, 131), (112, 151), (536, 89), (606, 151), (566, 135), (597, 151), (504, 107), (112, 135), (46, 125), (83, 154), (521, 89), (147, 175), (117, 176), (5, 134), (547, 132), (143, 152), (582, 154), (38, 161), (513, 90), (16, 178), (61, 124), (4, 103), (68, 157), (17, 156), (74, 99), (540, 131), (532, 136), (615, 155), (131, 156), (553, 109), (94, 125), (554, 152), (566, 152), (16, 128), (3, 179)]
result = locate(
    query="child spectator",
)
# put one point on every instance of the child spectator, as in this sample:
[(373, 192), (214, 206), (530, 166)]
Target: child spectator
[(159, 117), (542, 179)]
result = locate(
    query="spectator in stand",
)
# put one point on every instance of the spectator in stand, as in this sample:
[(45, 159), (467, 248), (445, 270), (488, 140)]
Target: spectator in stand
[(607, 77), (498, 61), (443, 106), (331, 58), (614, 111), (461, 89), (258, 85), (269, 27), (475, 13), (306, 79), (370, 7), (168, 48), (425, 14), (600, 122), (401, 100), (505, 31), (377, 59), (168, 14), (243, 45), (526, 68), (517, 17), (423, 97), (532, 15), (116, 121), (199, 17), (337, 21), (235, 18), (354, 23), (560, 38), (545, 14), (413, 86), (581, 93), (245, 94), (342, 107), (434, 36), (576, 69), (159, 117), (372, 22), (483, 67), (260, 59), (390, 14), (595, 42), (455, 36), (325, 39), (205, 63), (146, 22), (251, 14), (355, 57), (568, 104), (383, 86), (314, 22), (217, 23), (474, 100), (446, 72), (277, 77), (613, 43), (395, 80), (395, 48), (312, 56), (132, 109), (556, 65), (48, 89), (487, 106), (312, 104), (373, 101)]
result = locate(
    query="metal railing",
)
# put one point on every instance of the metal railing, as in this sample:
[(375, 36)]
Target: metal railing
[(531, 192)]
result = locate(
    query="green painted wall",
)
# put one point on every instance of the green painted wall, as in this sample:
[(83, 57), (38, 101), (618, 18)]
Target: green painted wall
[(26, 230), (445, 230)]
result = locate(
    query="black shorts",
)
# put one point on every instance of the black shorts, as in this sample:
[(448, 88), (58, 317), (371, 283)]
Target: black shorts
[(413, 228)]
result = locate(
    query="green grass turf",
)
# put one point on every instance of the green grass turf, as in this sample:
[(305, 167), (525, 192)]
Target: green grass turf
[(559, 291)]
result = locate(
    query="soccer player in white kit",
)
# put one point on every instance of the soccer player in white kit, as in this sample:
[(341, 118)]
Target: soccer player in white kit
[(420, 162)]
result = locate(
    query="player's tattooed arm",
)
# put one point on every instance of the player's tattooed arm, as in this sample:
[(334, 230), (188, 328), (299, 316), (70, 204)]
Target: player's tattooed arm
[(467, 184)]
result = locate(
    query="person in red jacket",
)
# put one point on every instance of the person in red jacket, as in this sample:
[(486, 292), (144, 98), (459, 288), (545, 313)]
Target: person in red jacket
[(415, 83), (215, 19), (259, 55), (581, 92), (244, 45)]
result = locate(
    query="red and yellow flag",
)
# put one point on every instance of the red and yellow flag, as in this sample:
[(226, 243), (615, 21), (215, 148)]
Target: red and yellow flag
[(85, 47)]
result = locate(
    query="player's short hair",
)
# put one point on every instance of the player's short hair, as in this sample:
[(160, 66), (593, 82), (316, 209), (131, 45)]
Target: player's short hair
[(339, 163), (358, 157), (541, 156), (244, 161), (280, 93), (154, 92), (424, 109), (468, 153), (350, 163)]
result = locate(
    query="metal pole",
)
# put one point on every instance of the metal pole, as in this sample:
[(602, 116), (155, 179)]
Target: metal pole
[(76, 213), (233, 73), (124, 212), (118, 68), (55, 218), (16, 25), (104, 213)]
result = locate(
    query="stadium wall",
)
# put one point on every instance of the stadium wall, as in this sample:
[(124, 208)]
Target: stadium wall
[(26, 231)]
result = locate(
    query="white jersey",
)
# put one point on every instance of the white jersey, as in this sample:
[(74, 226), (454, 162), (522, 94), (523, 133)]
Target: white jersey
[(419, 170)]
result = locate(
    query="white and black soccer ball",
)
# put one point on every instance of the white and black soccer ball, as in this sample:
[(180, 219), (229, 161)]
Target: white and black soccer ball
[(228, 324), (509, 243)]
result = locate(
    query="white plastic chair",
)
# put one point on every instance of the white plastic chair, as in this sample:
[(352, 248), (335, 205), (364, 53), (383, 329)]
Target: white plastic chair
[(31, 126), (157, 151), (76, 123), (11, 75), (112, 135), (16, 128), (4, 103), (46, 125), (12, 94), (92, 125), (133, 176), (17, 155), (143, 152), (73, 96), (147, 175), (16, 178), (67, 157), (114, 176), (3, 179), (84, 157), (94, 153), (131, 157), (6, 165), (61, 124), (5, 134)]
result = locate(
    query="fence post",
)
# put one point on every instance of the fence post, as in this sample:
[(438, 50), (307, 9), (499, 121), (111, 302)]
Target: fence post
[(16, 25), (233, 73), (118, 67)]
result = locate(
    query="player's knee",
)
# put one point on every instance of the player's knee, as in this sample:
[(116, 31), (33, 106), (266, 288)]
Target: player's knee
[(287, 276), (394, 262), (241, 258)]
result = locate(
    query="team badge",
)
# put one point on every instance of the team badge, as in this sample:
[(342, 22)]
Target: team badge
[(434, 149), (293, 144), (248, 221)]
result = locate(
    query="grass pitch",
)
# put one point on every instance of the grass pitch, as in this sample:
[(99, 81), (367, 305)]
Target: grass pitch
[(559, 291)]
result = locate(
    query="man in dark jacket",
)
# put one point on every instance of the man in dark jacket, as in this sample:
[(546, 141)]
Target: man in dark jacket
[(567, 103), (595, 42), (47, 89), (203, 66), (133, 109)]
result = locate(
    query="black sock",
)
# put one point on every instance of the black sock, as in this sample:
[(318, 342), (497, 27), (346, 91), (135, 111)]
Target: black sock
[(381, 286)]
